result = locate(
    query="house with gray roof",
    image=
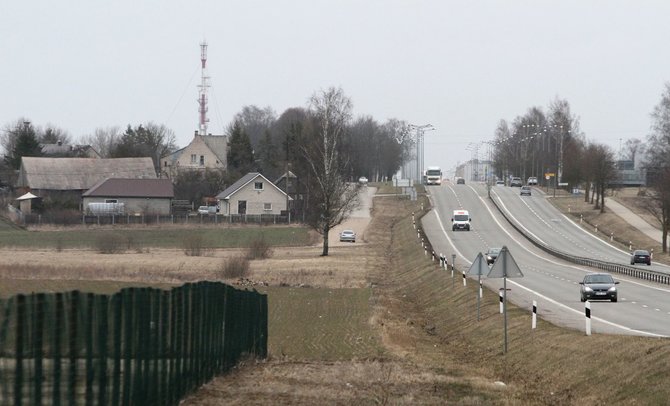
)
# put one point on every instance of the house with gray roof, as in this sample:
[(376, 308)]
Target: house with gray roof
[(204, 152), (137, 196), (252, 194), (68, 178)]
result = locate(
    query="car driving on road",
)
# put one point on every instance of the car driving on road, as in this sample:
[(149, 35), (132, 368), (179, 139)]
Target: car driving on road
[(525, 191), (516, 181), (491, 255), (640, 257), (460, 181), (532, 181), (598, 286), (348, 236)]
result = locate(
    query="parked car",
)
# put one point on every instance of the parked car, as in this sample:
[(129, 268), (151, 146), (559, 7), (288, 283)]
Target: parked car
[(491, 255), (598, 286), (363, 180), (532, 181), (207, 210), (348, 236), (516, 182), (525, 191), (640, 257), (460, 181)]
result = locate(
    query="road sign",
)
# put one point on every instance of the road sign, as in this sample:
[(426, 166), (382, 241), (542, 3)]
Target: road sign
[(479, 266), (562, 183), (505, 266)]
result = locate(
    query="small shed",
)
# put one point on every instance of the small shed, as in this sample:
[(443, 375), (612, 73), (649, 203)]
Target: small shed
[(25, 202)]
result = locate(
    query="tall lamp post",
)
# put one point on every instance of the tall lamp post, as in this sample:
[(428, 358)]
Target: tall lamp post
[(420, 129)]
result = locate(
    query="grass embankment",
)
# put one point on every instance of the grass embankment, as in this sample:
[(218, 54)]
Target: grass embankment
[(610, 227), (154, 237)]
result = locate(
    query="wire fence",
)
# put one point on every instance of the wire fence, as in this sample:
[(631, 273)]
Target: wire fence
[(140, 346)]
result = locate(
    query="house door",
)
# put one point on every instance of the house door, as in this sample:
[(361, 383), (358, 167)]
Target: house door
[(242, 207)]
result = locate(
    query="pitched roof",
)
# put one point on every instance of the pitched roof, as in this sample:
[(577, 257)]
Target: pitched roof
[(132, 188), (218, 144), (243, 181), (80, 173)]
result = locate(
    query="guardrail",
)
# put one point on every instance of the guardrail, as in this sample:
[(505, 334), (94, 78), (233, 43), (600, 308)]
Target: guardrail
[(653, 276)]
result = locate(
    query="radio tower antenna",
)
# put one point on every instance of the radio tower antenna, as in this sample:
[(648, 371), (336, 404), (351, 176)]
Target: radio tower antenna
[(204, 85)]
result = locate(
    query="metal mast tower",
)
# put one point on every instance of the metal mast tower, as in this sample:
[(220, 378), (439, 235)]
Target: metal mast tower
[(204, 85)]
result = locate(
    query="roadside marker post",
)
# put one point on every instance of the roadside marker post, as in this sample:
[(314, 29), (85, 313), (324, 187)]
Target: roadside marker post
[(465, 280), (587, 314), (534, 322), (500, 293), (453, 263)]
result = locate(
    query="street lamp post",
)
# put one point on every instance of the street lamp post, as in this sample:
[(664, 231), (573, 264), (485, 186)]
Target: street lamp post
[(420, 129)]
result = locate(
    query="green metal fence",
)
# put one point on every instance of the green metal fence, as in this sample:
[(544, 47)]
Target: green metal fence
[(140, 346)]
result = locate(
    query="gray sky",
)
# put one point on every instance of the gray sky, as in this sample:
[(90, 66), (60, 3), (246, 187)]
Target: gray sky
[(460, 66)]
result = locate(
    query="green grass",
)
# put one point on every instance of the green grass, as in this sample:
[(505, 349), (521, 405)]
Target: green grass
[(11, 287), (320, 324), (222, 237)]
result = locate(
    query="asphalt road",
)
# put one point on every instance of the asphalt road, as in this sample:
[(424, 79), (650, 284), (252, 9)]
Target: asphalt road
[(643, 308)]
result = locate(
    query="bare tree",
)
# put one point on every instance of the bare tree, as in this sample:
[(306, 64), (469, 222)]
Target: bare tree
[(633, 146), (331, 198), (658, 161), (104, 140), (604, 172)]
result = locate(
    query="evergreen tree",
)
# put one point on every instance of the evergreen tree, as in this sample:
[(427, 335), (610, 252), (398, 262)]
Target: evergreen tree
[(25, 144), (240, 153)]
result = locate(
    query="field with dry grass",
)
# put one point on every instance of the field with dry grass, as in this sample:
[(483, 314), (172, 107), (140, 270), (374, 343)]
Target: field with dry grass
[(376, 322)]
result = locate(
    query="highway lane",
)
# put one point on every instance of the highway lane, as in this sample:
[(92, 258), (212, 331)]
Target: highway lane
[(643, 308), (538, 216)]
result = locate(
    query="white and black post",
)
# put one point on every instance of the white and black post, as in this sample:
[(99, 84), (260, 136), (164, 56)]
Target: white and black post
[(534, 321), (587, 314)]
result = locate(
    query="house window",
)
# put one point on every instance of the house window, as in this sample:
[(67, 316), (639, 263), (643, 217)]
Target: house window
[(202, 160), (111, 201), (258, 185), (193, 158), (267, 206)]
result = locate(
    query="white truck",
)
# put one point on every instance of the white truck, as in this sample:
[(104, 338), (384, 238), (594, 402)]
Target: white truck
[(434, 175), (460, 220)]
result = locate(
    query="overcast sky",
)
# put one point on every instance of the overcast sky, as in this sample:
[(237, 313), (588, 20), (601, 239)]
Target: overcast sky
[(460, 66)]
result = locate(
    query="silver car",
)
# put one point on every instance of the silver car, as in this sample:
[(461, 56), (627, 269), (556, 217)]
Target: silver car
[(525, 191), (598, 286), (348, 236)]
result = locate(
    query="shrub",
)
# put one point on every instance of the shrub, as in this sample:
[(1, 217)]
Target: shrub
[(235, 267), (110, 243), (259, 249), (193, 245)]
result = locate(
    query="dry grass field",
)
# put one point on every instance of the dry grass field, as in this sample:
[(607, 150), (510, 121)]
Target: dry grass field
[(376, 322)]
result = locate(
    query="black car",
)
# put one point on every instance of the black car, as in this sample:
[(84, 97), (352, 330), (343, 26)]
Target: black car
[(598, 286), (460, 181), (640, 257), (491, 255)]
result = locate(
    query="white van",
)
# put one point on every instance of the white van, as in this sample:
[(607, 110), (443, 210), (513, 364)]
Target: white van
[(460, 220)]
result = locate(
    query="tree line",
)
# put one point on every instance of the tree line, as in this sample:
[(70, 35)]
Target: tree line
[(322, 144)]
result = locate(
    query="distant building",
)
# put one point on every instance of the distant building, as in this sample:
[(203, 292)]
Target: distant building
[(69, 151), (252, 194), (204, 152), (69, 178), (139, 196)]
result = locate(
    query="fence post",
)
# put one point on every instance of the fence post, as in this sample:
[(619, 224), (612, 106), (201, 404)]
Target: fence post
[(58, 328), (88, 343), (38, 346), (103, 334), (18, 348), (73, 347)]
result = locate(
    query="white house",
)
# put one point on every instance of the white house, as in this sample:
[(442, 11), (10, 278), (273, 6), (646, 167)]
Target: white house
[(252, 194)]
